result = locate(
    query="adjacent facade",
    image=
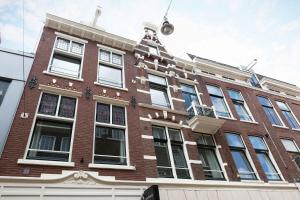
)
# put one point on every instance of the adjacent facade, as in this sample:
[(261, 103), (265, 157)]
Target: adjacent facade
[(108, 117)]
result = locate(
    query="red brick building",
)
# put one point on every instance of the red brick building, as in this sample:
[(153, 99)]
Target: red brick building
[(109, 117)]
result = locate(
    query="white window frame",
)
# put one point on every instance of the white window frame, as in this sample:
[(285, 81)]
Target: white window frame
[(128, 165), (287, 105), (110, 64), (69, 53), (289, 152), (57, 118), (196, 90)]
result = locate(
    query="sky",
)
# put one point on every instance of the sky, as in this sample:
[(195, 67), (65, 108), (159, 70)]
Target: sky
[(229, 31)]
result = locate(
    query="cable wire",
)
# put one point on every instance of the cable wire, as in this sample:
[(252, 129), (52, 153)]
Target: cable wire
[(23, 55)]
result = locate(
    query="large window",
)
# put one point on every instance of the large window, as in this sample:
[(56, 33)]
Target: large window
[(293, 150), (67, 58), (238, 152), (189, 94), (263, 156), (270, 111), (240, 105), (51, 137), (158, 91), (168, 144), (3, 88), (286, 111), (210, 163), (110, 70), (218, 101), (110, 135)]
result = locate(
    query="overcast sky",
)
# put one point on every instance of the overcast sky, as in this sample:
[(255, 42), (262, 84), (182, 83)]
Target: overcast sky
[(229, 31)]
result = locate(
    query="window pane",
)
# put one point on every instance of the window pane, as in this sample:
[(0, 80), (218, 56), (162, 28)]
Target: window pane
[(157, 79), (289, 145), (103, 113), (116, 59), (162, 154), (118, 115), (235, 95), (254, 81), (242, 164), (188, 88), (165, 172), (153, 50), (282, 106), (3, 88), (291, 119), (183, 173), (65, 65), (67, 107), (47, 139), (206, 140), (258, 143), (110, 76), (234, 140), (175, 135), (159, 97), (104, 55), (272, 116), (264, 101), (180, 162), (242, 112), (110, 146), (220, 106), (159, 133), (268, 166), (48, 104), (62, 44), (214, 90), (77, 48)]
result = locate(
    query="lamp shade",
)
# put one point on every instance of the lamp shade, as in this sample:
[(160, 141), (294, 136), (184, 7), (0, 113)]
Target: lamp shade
[(167, 28)]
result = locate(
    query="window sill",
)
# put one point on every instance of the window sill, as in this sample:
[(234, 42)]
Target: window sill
[(295, 129), (229, 118), (278, 182), (124, 89), (104, 166), (46, 163), (284, 127), (252, 181), (62, 76), (251, 122)]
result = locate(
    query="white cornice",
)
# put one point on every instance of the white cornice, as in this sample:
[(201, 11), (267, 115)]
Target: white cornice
[(281, 86)]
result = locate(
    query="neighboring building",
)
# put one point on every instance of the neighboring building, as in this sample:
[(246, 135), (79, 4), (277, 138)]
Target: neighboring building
[(11, 87), (110, 116)]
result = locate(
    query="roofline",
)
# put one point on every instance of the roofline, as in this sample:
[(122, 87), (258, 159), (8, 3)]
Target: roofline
[(17, 52)]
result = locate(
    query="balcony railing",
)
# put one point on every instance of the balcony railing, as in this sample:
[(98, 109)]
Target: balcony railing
[(200, 110)]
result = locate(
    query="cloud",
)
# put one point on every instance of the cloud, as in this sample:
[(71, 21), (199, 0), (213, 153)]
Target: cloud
[(290, 26)]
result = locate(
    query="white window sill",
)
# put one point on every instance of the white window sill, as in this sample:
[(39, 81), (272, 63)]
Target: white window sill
[(229, 118), (251, 122), (295, 129), (252, 181), (104, 166), (62, 76), (278, 182), (284, 127), (118, 88), (46, 163)]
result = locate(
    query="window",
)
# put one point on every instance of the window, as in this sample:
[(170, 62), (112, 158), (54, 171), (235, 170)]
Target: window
[(218, 101), (254, 81), (168, 144), (286, 111), (293, 150), (110, 70), (262, 153), (51, 137), (153, 50), (110, 138), (3, 88), (189, 94), (238, 152), (240, 105), (269, 110), (210, 163), (67, 58), (158, 91)]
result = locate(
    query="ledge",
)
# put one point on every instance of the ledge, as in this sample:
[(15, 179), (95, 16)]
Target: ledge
[(62, 76), (46, 163), (108, 86), (229, 118), (60, 91), (119, 167), (110, 100), (162, 109), (283, 127), (251, 122)]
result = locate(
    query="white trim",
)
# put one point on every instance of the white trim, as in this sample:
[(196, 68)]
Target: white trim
[(109, 86), (187, 81), (190, 143), (107, 166), (197, 162), (107, 48), (146, 157), (177, 99), (62, 76), (110, 100), (149, 137), (69, 37), (59, 91), (290, 111), (143, 91), (251, 122), (46, 163), (277, 126)]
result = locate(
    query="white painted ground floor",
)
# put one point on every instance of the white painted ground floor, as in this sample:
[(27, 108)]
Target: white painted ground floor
[(89, 185)]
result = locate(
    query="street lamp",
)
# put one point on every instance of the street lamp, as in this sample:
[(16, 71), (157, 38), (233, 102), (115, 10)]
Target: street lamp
[(167, 28)]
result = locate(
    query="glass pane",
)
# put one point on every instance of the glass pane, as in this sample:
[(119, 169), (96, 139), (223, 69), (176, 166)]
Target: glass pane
[(165, 172), (67, 107), (291, 119), (110, 76), (272, 116), (189, 99), (289, 145), (47, 139), (188, 88), (183, 173), (103, 113), (235, 95), (3, 88), (242, 164), (282, 106), (214, 90), (48, 104), (242, 112), (175, 135), (268, 167), (254, 81), (220, 106), (159, 97), (258, 143), (110, 146), (118, 115), (77, 48), (234, 140), (178, 156), (162, 154), (62, 44), (104, 55), (65, 65), (116, 59), (159, 133), (157, 79), (153, 50), (206, 140), (264, 101)]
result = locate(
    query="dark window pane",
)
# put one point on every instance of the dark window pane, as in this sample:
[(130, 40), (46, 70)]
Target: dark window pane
[(220, 106), (48, 104), (159, 97), (110, 146), (254, 81), (3, 88), (110, 76), (183, 173), (234, 140), (162, 154), (159, 133), (242, 164), (206, 140), (258, 143), (65, 65), (103, 113), (180, 162), (67, 107), (165, 172), (118, 115), (188, 88), (268, 167), (175, 135), (50, 141)]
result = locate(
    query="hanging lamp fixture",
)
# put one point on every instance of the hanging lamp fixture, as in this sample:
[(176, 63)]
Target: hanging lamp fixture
[(167, 28)]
